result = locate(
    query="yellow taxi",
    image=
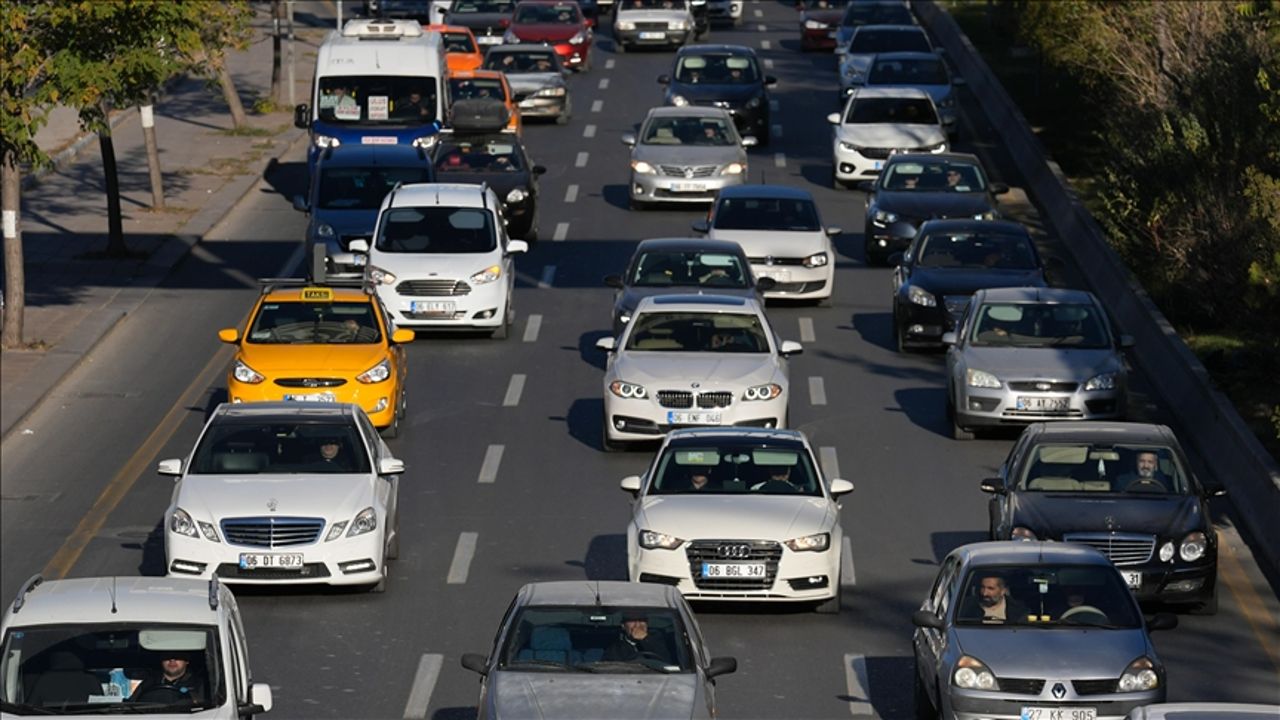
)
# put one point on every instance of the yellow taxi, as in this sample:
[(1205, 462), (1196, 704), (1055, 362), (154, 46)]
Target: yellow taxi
[(321, 343)]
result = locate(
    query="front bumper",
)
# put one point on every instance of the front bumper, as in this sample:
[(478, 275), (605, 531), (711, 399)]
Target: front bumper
[(652, 187), (484, 307), (652, 38), (539, 106), (345, 561), (646, 419), (991, 407), (924, 323), (797, 282), (817, 38), (853, 165), (1175, 584), (572, 55), (376, 399), (981, 705), (796, 576), (884, 240)]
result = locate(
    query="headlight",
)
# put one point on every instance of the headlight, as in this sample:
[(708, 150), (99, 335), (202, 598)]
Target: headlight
[(884, 217), (627, 390), (754, 102), (939, 148), (678, 25), (510, 37), (642, 167), (814, 25), (1105, 381), (578, 39), (1166, 552), (487, 275), (210, 533), (921, 297), (1022, 533), (182, 524), (335, 532), (972, 674), (515, 196), (324, 141), (624, 25), (849, 146), (245, 374), (1140, 675), (763, 392), (366, 521), (734, 169), (988, 215), (624, 318), (811, 543), (377, 275), (679, 101), (650, 540), (376, 374), (816, 260), (981, 378), (1193, 547), (550, 92), (426, 142), (324, 230)]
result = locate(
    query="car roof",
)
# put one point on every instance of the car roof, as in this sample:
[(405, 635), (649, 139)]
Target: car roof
[(1208, 711), (283, 411), (474, 74), (135, 599), (446, 194), (690, 302), (688, 111), (890, 91), (352, 155), (766, 191), (685, 435), (689, 244), (1018, 552), (585, 593), (1102, 431), (970, 225), (716, 48), (1037, 295), (294, 293)]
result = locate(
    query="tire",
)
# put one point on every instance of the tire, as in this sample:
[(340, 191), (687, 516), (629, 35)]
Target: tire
[(609, 446), (381, 586), (393, 547), (923, 705), (620, 47), (503, 331), (830, 606), (836, 183), (1208, 606), (392, 430), (586, 63), (957, 432), (565, 115), (898, 341), (635, 206)]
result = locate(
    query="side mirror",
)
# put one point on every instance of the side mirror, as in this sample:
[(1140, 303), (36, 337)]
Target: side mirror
[(770, 81), (403, 336), (538, 170), (300, 204), (765, 284), (840, 487), (614, 281), (1162, 621), (358, 246), (229, 335), (631, 484), (895, 258), (999, 188), (995, 486), (721, 666), (517, 246), (790, 347), (629, 139), (301, 115), (701, 226), (260, 698), (1215, 491), (949, 338), (834, 231), (607, 344), (390, 466), (1126, 341), (664, 79), (749, 141), (926, 619), (834, 118), (476, 663), (171, 467)]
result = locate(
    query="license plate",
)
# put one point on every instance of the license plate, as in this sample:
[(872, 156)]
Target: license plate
[(879, 165), (1132, 579), (489, 39), (687, 187), (652, 35), (733, 570), (377, 140), (693, 418), (432, 307), (281, 561), (776, 275), (312, 397), (1047, 404), (1059, 713)]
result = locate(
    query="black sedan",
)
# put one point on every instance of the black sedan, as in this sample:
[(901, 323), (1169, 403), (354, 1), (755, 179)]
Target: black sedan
[(914, 187), (948, 261), (1123, 488), (724, 76), (663, 266), (499, 159)]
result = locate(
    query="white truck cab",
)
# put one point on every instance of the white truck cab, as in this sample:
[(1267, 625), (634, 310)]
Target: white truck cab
[(165, 647)]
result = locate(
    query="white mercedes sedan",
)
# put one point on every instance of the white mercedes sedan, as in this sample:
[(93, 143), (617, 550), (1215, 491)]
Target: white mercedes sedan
[(740, 514), (690, 360)]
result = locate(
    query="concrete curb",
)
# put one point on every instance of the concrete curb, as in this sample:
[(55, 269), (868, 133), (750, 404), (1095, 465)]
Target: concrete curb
[(1207, 420)]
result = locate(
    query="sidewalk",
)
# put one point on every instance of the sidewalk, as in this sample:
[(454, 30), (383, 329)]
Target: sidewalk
[(74, 295)]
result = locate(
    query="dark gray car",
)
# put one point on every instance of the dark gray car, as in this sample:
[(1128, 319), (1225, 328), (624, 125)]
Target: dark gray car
[(537, 78)]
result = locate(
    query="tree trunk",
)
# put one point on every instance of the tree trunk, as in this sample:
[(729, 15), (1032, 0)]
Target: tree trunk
[(14, 270), (153, 155), (115, 218), (231, 95), (277, 19)]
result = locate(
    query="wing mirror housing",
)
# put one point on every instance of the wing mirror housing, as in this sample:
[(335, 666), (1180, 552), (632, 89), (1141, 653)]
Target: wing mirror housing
[(538, 170), (171, 467), (834, 118), (840, 487), (749, 141), (300, 116), (1126, 341), (770, 81), (229, 335), (834, 231), (614, 281), (403, 336), (721, 666), (607, 344), (259, 699), (701, 226), (631, 484), (895, 258), (995, 486), (390, 465), (517, 246), (476, 663), (629, 139), (867, 186), (664, 79), (790, 347), (999, 188), (358, 246), (926, 619), (948, 338)]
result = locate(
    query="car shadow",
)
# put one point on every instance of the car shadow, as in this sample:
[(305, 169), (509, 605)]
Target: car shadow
[(606, 558), (152, 562), (587, 350), (585, 419), (944, 542), (616, 195), (881, 679), (926, 408), (455, 713), (876, 328)]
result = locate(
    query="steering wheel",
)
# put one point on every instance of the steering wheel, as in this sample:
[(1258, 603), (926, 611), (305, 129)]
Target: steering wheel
[(162, 694), (1081, 612), (1149, 485)]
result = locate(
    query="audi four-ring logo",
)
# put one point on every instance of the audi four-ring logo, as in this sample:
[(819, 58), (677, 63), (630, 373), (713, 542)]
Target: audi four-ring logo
[(735, 551)]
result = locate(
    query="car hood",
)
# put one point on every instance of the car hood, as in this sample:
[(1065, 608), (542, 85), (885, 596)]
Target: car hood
[(632, 296), (408, 266), (318, 359), (689, 154), (891, 135), (1051, 515), (567, 696), (528, 82), (967, 281), (763, 243), (702, 93), (333, 496), (712, 370), (545, 32), (1054, 653), (347, 222), (764, 517), (926, 205), (1042, 363)]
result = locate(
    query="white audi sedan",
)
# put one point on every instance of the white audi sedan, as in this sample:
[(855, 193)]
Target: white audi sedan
[(739, 514), (689, 360), (285, 492)]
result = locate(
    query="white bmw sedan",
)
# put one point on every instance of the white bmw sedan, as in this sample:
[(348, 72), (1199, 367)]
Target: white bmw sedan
[(689, 360), (738, 514)]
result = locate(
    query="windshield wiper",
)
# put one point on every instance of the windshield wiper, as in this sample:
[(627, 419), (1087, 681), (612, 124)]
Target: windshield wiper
[(630, 665), (19, 709), (548, 664)]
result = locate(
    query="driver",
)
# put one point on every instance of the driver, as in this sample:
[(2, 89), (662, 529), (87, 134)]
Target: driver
[(174, 683), (634, 641)]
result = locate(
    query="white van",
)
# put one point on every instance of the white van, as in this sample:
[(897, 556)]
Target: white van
[(376, 82), (159, 647)]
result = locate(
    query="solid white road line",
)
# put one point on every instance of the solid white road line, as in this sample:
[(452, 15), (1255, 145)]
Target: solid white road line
[(768, 63), (462, 554), (608, 64), (424, 683), (830, 462), (571, 194), (589, 131), (806, 330), (514, 390), (780, 160), (489, 468), (597, 105), (581, 160), (562, 232), (847, 577), (765, 44), (855, 678), (604, 83), (548, 275), (532, 327), (817, 391)]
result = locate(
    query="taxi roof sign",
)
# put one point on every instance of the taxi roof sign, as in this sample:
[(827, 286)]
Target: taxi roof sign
[(317, 294)]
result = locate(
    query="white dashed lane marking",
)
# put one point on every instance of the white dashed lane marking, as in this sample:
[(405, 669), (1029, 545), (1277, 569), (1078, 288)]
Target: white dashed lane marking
[(608, 64), (806, 330), (762, 27), (548, 275), (424, 683), (777, 132), (462, 554), (604, 83), (848, 578), (817, 391), (597, 105), (581, 160), (589, 131), (489, 468), (768, 63), (571, 194), (514, 390), (758, 12), (780, 159), (858, 686), (765, 44), (830, 462), (532, 327), (561, 232), (773, 105)]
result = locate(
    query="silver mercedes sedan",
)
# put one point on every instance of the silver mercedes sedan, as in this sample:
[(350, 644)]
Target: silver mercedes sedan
[(685, 154)]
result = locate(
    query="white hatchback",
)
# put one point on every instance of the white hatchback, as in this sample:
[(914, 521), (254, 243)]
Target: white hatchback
[(875, 123)]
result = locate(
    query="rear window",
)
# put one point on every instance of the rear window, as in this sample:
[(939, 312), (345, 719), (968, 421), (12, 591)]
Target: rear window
[(363, 188), (456, 42), (521, 62), (476, 89)]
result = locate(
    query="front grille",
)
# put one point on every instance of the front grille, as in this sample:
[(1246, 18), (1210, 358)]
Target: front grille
[(310, 382), (685, 399), (1094, 687), (675, 398), (955, 304), (776, 261), (272, 532), (232, 571), (652, 25), (699, 171), (744, 551), (881, 153), (1120, 548), (717, 399), (798, 288), (1037, 386), (433, 288), (1021, 686)]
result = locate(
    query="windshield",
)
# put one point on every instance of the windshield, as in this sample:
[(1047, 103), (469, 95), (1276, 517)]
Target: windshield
[(720, 69), (908, 72), (307, 323), (1066, 325), (1047, 596), (376, 100), (652, 4), (474, 7), (532, 61), (902, 111), (363, 188), (485, 156), (698, 332), (730, 468), (458, 42), (869, 42), (706, 131), (936, 176), (476, 89), (877, 13), (825, 4), (790, 214), (697, 269), (562, 14), (1128, 469), (250, 448), (112, 668), (598, 639), (436, 230), (969, 251)]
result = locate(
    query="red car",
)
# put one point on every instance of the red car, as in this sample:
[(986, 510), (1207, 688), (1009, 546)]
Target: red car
[(819, 21), (559, 23)]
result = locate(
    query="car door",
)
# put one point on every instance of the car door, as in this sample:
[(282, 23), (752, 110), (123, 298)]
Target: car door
[(1000, 508), (930, 643)]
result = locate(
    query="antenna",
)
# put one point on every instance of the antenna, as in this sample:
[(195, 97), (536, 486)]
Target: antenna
[(113, 595)]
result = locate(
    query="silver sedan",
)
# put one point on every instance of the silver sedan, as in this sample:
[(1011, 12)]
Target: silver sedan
[(685, 154)]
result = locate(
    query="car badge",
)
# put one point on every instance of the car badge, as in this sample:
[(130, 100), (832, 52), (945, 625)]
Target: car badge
[(1059, 691), (688, 172), (1111, 523), (738, 552), (1044, 386), (769, 260), (695, 386), (272, 504)]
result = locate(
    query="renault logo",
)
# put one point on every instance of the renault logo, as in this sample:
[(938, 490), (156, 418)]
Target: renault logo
[(272, 504), (1059, 691), (739, 552)]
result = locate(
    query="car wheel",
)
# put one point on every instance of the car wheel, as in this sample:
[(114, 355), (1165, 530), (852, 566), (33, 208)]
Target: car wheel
[(899, 341), (393, 547), (503, 331), (620, 47), (836, 182), (957, 432), (393, 429), (923, 705), (566, 114), (609, 446), (586, 63), (1209, 606), (831, 606), (633, 204), (381, 586)]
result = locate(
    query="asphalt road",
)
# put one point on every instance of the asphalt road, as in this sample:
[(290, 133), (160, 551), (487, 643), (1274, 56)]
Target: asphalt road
[(81, 496)]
